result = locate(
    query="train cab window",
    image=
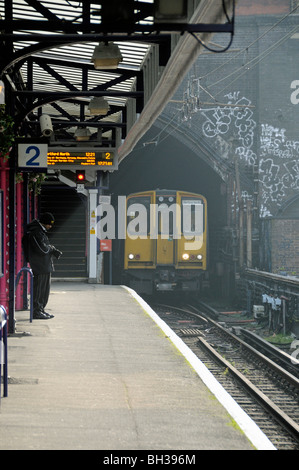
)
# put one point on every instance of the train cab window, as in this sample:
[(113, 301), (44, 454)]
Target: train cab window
[(167, 216), (192, 216), (165, 222), (138, 216)]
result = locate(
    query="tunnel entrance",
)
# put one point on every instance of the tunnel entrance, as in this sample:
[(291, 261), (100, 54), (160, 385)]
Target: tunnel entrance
[(170, 165)]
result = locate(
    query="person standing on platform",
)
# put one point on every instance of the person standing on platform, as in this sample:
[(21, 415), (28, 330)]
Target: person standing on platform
[(39, 253)]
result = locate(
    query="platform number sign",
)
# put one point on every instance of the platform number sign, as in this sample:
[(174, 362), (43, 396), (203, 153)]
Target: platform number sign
[(32, 156)]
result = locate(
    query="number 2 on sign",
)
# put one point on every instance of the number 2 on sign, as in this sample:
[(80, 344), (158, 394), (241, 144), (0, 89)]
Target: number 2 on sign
[(32, 161)]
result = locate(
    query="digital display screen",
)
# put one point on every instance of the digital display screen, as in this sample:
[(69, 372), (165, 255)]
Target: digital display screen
[(88, 158)]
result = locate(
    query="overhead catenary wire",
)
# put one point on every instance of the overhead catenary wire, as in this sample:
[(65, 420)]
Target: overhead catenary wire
[(253, 62), (245, 49), (243, 69)]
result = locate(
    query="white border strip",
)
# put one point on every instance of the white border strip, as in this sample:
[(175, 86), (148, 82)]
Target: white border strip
[(248, 426)]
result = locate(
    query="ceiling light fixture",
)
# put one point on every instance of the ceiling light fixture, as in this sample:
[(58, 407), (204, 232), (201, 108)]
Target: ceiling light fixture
[(82, 134), (98, 106), (106, 56), (170, 11)]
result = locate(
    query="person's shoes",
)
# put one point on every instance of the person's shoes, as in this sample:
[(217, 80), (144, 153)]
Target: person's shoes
[(40, 316), (49, 315)]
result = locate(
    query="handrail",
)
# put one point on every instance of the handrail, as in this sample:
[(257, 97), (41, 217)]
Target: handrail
[(28, 270), (3, 360)]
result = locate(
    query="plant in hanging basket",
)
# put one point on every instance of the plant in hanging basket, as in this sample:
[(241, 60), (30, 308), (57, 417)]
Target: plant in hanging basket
[(7, 135), (35, 182)]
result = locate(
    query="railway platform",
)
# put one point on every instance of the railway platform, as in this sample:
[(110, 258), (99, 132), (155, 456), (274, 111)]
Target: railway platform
[(107, 374)]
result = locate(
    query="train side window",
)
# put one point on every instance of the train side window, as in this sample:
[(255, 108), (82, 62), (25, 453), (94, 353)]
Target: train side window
[(192, 217)]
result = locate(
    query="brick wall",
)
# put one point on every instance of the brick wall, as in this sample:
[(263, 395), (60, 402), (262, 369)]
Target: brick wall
[(285, 246), (259, 72), (266, 7), (239, 106)]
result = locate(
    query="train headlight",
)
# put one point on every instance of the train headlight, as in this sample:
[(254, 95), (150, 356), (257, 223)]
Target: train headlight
[(185, 256), (131, 256), (199, 256)]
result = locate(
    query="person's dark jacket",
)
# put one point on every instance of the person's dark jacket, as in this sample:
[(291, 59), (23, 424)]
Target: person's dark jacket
[(40, 251)]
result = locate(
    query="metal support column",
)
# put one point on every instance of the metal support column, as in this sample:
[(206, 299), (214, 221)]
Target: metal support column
[(12, 241), (92, 236)]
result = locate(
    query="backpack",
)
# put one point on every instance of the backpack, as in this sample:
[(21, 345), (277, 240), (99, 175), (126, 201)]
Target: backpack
[(25, 245)]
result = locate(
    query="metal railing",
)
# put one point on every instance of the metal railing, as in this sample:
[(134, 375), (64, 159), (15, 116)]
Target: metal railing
[(29, 271), (3, 350)]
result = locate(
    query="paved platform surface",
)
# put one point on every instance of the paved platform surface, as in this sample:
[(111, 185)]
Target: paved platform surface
[(103, 375)]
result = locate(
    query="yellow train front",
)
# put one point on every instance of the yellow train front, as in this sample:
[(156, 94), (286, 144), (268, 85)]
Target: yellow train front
[(166, 244)]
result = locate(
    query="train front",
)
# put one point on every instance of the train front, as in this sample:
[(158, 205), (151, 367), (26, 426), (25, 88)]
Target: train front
[(166, 244)]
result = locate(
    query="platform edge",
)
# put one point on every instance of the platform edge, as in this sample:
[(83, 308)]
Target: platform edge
[(255, 435)]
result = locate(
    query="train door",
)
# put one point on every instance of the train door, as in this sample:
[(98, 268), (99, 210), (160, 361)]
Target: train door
[(165, 251), (166, 223)]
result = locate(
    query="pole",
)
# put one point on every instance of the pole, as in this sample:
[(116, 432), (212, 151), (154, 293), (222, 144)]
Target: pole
[(110, 268), (92, 259), (249, 235)]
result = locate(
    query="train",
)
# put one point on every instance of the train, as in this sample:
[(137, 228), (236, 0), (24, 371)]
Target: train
[(166, 245)]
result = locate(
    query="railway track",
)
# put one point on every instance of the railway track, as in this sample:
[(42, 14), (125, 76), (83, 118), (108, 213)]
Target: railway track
[(261, 385)]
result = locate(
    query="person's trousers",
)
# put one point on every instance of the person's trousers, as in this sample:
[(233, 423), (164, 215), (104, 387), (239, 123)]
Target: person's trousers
[(41, 291)]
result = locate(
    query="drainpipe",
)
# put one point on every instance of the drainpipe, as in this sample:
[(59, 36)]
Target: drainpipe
[(249, 234)]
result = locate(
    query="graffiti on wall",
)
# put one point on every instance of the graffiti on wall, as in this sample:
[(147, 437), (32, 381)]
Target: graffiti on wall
[(278, 166), (234, 119), (232, 128)]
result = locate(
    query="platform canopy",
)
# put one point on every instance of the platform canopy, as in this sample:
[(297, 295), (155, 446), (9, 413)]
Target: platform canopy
[(53, 57)]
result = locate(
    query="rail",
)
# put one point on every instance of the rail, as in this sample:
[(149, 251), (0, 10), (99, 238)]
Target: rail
[(268, 386), (288, 280), (3, 351), (29, 271)]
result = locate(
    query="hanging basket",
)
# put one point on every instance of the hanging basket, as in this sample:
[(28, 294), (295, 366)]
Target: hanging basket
[(35, 182), (7, 135)]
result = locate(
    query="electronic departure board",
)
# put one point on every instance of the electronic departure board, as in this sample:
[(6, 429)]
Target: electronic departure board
[(76, 158)]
